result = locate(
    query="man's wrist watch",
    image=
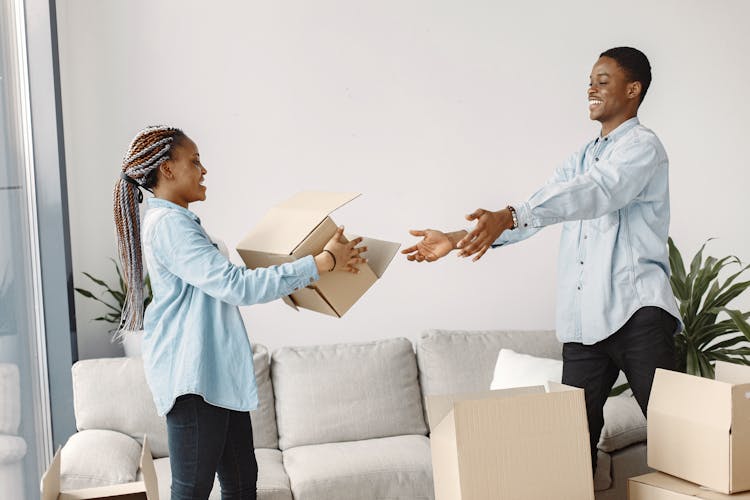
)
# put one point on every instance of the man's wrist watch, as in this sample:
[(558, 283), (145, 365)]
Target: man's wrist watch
[(515, 217)]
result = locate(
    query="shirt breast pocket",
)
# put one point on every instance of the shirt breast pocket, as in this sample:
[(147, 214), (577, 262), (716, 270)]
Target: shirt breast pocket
[(606, 222)]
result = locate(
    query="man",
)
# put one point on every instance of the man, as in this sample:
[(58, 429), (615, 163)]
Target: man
[(615, 309)]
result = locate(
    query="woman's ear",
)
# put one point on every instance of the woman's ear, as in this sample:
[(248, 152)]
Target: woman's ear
[(165, 170)]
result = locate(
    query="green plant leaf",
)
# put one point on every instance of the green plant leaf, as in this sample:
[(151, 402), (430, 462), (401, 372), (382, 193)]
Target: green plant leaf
[(719, 346), (739, 320), (617, 390), (85, 293), (95, 280), (677, 267)]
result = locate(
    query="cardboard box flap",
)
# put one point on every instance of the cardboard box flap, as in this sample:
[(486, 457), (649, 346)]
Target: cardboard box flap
[(740, 438), (438, 406), (732, 373), (379, 254), (672, 484), (290, 222), (321, 203), (149, 471), (445, 461), (674, 393), (558, 387), (50, 484), (125, 490)]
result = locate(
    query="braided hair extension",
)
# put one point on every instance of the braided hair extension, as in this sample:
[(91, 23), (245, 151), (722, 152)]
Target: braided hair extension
[(150, 148)]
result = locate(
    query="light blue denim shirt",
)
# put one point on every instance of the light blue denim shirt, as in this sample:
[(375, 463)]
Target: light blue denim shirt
[(194, 338), (612, 197)]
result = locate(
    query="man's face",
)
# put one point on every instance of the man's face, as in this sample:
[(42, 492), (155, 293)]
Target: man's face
[(610, 94)]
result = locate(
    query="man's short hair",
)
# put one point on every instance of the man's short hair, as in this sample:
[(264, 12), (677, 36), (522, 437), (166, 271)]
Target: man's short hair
[(634, 63)]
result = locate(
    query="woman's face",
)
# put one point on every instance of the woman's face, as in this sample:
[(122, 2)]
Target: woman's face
[(185, 174)]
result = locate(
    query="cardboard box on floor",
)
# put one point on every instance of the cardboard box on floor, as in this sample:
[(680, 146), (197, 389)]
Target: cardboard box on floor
[(301, 226), (699, 429), (511, 444), (660, 486), (148, 489)]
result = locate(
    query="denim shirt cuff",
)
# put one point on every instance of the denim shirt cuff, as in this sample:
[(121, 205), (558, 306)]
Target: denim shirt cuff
[(306, 270), (523, 213)]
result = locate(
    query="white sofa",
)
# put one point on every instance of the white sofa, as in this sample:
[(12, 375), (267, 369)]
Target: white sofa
[(336, 422), (12, 447)]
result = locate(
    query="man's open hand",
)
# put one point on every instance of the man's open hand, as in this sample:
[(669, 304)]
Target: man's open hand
[(490, 225)]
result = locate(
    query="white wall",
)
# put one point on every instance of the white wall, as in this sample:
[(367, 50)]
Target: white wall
[(431, 109)]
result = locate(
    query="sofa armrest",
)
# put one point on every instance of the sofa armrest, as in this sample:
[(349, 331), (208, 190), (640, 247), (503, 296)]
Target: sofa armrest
[(96, 457), (12, 449)]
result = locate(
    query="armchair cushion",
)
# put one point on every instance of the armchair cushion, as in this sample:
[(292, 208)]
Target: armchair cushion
[(94, 458)]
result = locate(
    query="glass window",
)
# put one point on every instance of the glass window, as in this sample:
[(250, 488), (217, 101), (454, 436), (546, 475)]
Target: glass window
[(25, 436)]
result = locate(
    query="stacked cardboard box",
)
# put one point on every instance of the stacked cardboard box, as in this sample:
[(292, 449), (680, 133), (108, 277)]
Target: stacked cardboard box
[(513, 444), (698, 436)]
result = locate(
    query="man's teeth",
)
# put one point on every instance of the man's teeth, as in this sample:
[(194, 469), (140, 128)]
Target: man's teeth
[(591, 103)]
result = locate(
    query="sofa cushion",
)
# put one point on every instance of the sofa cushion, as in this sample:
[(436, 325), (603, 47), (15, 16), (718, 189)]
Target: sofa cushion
[(10, 397), (387, 468), (346, 392), (273, 483), (98, 458), (522, 370), (263, 419), (603, 474), (112, 393), (624, 424), (456, 361)]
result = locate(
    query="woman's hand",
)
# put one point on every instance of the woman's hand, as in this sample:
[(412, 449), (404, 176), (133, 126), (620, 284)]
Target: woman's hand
[(340, 254)]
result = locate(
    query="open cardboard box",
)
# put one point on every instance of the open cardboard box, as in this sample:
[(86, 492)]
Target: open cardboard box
[(301, 226), (660, 486), (511, 444), (699, 429), (147, 489)]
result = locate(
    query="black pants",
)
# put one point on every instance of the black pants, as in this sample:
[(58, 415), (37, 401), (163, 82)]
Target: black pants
[(205, 440), (643, 344)]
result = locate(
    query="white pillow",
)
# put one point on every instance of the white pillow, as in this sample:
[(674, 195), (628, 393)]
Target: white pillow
[(522, 370)]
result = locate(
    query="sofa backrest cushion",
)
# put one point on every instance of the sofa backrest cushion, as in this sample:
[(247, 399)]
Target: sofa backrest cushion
[(456, 361), (112, 394), (346, 392), (265, 434)]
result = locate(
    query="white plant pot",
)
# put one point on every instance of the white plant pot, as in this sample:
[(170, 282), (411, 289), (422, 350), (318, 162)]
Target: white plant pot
[(132, 343)]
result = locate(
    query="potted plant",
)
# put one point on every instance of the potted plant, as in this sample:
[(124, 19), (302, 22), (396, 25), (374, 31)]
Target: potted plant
[(712, 331), (131, 341)]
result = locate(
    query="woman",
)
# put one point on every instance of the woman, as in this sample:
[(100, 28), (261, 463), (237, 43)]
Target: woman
[(196, 352)]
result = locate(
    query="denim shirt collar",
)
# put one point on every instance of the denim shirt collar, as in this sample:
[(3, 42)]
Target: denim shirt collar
[(620, 130), (159, 202)]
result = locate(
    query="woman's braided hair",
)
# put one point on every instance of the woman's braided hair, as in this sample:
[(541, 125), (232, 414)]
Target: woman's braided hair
[(150, 148)]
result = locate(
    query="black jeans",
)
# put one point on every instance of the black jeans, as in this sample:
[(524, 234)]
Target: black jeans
[(643, 344), (205, 440)]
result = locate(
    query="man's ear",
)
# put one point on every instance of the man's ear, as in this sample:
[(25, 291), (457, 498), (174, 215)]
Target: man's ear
[(634, 90)]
